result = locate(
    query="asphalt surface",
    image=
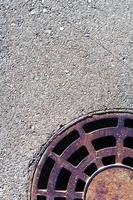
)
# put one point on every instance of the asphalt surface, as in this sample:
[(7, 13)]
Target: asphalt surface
[(59, 59)]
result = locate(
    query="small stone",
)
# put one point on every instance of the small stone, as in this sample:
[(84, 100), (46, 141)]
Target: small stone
[(87, 34), (33, 12), (1, 192), (13, 24), (66, 71), (124, 58), (48, 31), (45, 10), (61, 28)]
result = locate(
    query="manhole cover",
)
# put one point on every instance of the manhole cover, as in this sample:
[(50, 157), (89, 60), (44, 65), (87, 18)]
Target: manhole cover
[(91, 159)]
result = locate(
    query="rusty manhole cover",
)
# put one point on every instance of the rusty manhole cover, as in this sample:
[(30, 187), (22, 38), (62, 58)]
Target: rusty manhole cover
[(91, 159)]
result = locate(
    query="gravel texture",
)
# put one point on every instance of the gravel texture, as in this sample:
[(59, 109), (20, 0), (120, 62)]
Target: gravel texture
[(59, 59)]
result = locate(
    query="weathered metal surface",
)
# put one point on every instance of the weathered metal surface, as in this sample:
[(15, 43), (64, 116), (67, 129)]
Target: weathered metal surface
[(111, 184), (113, 128)]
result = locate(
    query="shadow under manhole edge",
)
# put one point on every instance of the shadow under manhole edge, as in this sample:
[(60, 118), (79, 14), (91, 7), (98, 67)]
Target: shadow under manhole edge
[(78, 151)]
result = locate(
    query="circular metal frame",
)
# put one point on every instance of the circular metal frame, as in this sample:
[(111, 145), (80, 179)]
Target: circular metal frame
[(120, 166), (79, 151)]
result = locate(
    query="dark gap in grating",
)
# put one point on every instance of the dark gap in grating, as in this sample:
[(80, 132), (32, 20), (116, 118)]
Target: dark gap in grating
[(99, 124), (128, 142), (41, 198), (77, 199), (59, 198), (104, 142), (78, 156), (128, 161), (108, 160), (65, 142), (80, 186), (90, 169), (128, 123), (63, 179), (45, 173)]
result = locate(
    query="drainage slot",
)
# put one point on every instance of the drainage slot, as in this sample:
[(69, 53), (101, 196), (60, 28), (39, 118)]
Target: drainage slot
[(100, 124), (128, 142), (90, 169), (59, 198), (63, 179), (128, 161), (78, 156), (128, 123), (45, 173), (104, 142), (41, 198), (80, 186), (108, 160), (65, 142), (77, 199)]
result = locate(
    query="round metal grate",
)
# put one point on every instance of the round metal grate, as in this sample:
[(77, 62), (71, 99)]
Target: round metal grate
[(79, 153)]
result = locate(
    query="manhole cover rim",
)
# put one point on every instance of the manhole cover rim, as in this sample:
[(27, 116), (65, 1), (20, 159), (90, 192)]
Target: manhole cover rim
[(95, 114)]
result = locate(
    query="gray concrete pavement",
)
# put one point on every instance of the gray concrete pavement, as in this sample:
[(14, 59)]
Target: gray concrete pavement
[(60, 59)]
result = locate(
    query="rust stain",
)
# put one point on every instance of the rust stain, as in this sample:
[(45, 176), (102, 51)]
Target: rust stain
[(111, 184)]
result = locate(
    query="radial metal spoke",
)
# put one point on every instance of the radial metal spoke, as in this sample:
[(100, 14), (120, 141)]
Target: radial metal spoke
[(99, 163), (121, 122), (79, 195), (127, 152), (120, 150), (86, 162), (60, 193), (63, 163), (73, 147), (41, 192)]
